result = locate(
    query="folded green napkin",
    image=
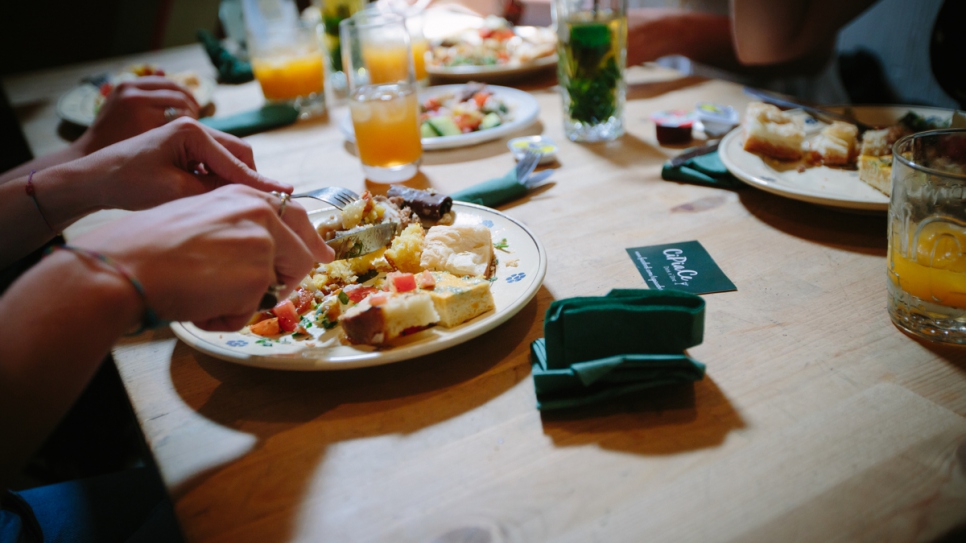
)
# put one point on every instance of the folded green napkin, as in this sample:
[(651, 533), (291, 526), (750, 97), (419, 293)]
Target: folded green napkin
[(598, 348), (493, 192), (259, 120), (707, 170), (230, 68)]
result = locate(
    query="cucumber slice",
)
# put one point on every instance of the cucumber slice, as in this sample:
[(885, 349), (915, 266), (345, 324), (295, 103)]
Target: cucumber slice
[(426, 130), (490, 120), (444, 126)]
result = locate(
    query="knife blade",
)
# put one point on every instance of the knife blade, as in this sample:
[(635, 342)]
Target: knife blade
[(363, 241), (696, 151)]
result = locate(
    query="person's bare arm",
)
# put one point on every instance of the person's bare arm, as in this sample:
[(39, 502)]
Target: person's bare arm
[(771, 32)]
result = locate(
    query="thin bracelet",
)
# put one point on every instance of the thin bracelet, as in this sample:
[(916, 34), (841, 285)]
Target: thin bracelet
[(32, 192), (150, 320)]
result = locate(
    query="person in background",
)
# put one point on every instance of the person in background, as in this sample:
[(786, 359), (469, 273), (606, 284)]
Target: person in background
[(210, 245)]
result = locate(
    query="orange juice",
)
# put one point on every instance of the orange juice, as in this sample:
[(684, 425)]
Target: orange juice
[(385, 120), (286, 77), (420, 48), (386, 62), (935, 271)]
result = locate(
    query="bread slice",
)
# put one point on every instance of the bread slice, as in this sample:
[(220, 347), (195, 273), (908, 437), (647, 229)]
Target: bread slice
[(463, 250), (770, 132), (835, 145), (877, 172), (459, 299), (383, 317)]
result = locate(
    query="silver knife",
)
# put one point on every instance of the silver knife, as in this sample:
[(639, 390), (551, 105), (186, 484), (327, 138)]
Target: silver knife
[(363, 241), (696, 151)]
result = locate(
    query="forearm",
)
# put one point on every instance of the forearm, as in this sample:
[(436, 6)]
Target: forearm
[(75, 150), (59, 322), (62, 194), (769, 32)]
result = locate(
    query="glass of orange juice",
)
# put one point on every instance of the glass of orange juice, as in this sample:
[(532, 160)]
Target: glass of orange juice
[(378, 63), (927, 236), (420, 47), (286, 57)]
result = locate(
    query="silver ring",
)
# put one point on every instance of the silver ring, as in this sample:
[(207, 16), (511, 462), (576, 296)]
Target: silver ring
[(283, 198), (270, 298), (171, 113)]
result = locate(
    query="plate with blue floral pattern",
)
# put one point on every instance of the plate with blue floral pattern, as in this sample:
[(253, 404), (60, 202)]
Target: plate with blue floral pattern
[(521, 267)]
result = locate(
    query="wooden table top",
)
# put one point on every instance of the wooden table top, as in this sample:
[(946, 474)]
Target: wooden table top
[(818, 420)]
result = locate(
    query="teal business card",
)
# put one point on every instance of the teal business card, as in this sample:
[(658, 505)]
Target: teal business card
[(683, 266)]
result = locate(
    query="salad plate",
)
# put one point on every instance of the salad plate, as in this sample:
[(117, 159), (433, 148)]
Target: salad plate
[(520, 270), (80, 104), (838, 188), (523, 112)]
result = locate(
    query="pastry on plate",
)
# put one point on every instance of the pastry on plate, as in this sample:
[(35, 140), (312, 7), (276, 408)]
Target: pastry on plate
[(770, 132)]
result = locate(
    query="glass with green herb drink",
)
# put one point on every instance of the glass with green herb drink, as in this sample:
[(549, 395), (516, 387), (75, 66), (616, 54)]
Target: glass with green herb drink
[(592, 51)]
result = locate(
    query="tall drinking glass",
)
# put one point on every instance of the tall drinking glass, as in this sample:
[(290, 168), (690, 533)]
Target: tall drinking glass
[(333, 13), (286, 56), (927, 236), (382, 95), (592, 52)]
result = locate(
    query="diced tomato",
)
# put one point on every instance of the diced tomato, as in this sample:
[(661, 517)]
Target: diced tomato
[(378, 299), (480, 98), (426, 280), (432, 104), (503, 55), (303, 300), (288, 319), (358, 294), (403, 282), (105, 89), (268, 327), (467, 123)]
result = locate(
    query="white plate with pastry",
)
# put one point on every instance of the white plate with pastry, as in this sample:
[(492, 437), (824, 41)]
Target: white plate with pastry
[(520, 269), (801, 179)]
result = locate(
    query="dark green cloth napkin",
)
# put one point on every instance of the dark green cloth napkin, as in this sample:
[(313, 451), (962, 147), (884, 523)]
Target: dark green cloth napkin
[(230, 68), (493, 192), (707, 170), (259, 120), (599, 348)]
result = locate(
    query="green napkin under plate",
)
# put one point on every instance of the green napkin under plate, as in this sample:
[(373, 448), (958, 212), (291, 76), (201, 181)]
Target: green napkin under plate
[(250, 122), (230, 68), (598, 348), (707, 170), (493, 192)]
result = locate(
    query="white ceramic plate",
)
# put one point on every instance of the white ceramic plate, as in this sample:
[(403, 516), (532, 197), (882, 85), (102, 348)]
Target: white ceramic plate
[(518, 276), (523, 112), (501, 71), (822, 185), (79, 105)]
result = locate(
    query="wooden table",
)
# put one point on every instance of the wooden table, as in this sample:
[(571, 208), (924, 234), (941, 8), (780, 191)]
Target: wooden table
[(817, 421)]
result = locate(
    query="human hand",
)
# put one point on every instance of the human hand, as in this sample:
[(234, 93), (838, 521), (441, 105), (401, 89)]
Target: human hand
[(209, 259), (181, 158), (134, 107)]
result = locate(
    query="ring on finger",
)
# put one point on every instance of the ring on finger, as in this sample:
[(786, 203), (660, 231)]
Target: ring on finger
[(283, 198), (172, 113), (270, 298)]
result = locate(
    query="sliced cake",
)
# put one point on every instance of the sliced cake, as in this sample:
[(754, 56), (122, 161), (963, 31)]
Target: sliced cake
[(769, 131), (385, 316), (459, 299)]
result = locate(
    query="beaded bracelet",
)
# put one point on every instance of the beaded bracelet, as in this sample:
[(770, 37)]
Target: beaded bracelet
[(150, 320), (32, 193)]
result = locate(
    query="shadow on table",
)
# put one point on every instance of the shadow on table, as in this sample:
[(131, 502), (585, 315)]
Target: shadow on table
[(295, 416), (626, 151), (644, 91), (850, 231), (665, 420), (954, 354)]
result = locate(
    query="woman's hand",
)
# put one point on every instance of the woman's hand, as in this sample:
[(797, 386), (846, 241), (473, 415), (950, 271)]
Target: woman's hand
[(182, 158), (210, 259), (134, 107)]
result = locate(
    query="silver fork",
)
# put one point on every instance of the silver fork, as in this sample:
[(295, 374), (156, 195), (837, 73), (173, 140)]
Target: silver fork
[(338, 197), (526, 165)]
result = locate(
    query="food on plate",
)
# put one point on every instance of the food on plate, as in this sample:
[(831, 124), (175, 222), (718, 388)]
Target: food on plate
[(460, 250), (426, 276), (771, 132), (459, 299), (875, 155), (382, 317), (835, 145), (189, 80), (428, 204), (496, 43), (471, 109)]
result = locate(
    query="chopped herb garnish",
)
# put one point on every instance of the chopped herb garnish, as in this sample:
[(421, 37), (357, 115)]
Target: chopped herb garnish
[(501, 245), (264, 342), (343, 297)]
